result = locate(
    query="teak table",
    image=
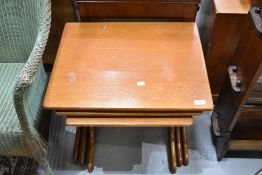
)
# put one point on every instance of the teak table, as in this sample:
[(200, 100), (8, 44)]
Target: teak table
[(129, 75)]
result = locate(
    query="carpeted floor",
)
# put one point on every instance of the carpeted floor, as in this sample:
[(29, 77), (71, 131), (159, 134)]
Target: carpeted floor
[(27, 166), (17, 166), (144, 151), (133, 151)]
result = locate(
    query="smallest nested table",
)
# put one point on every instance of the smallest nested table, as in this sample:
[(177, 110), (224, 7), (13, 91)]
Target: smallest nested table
[(129, 75)]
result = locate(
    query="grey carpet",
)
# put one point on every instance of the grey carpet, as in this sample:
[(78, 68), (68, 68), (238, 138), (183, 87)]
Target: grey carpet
[(56, 141)]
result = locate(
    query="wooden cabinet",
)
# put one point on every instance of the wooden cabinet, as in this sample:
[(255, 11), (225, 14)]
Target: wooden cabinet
[(174, 10), (233, 49), (222, 26), (237, 117)]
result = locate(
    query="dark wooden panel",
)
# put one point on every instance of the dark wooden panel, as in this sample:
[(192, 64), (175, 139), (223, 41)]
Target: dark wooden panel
[(230, 104), (179, 11), (245, 145), (205, 21), (251, 111), (62, 12), (247, 129), (221, 49), (223, 32), (256, 3), (256, 95)]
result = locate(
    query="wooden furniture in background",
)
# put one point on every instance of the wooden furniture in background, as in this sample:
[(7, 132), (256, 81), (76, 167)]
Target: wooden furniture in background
[(223, 25), (62, 12), (237, 122), (129, 74), (111, 10), (256, 3)]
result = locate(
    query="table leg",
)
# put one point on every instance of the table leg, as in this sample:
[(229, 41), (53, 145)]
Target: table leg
[(83, 146), (77, 143), (91, 148), (179, 147), (173, 165), (185, 146)]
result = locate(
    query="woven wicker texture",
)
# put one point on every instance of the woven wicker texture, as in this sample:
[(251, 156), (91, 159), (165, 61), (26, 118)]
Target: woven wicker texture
[(24, 30)]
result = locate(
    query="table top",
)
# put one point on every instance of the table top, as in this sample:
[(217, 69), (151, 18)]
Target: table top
[(129, 66), (232, 6)]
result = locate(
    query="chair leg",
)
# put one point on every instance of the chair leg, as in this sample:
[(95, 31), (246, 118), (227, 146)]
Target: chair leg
[(77, 143), (173, 165), (91, 148)]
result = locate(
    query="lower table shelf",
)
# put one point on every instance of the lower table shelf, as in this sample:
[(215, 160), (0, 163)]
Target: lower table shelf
[(130, 122), (85, 135)]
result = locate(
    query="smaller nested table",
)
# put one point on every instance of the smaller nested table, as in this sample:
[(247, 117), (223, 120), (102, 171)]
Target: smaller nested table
[(129, 75)]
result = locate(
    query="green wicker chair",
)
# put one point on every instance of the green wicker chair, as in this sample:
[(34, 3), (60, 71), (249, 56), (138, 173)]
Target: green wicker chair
[(24, 30)]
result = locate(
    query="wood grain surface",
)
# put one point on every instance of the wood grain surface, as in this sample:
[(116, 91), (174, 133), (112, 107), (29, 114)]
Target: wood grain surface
[(223, 27), (245, 145), (129, 66), (118, 114), (232, 6), (129, 122)]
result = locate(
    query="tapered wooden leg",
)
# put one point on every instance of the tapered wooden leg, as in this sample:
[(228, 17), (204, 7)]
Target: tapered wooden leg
[(91, 148), (83, 146), (77, 143), (185, 146), (173, 165), (179, 147)]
